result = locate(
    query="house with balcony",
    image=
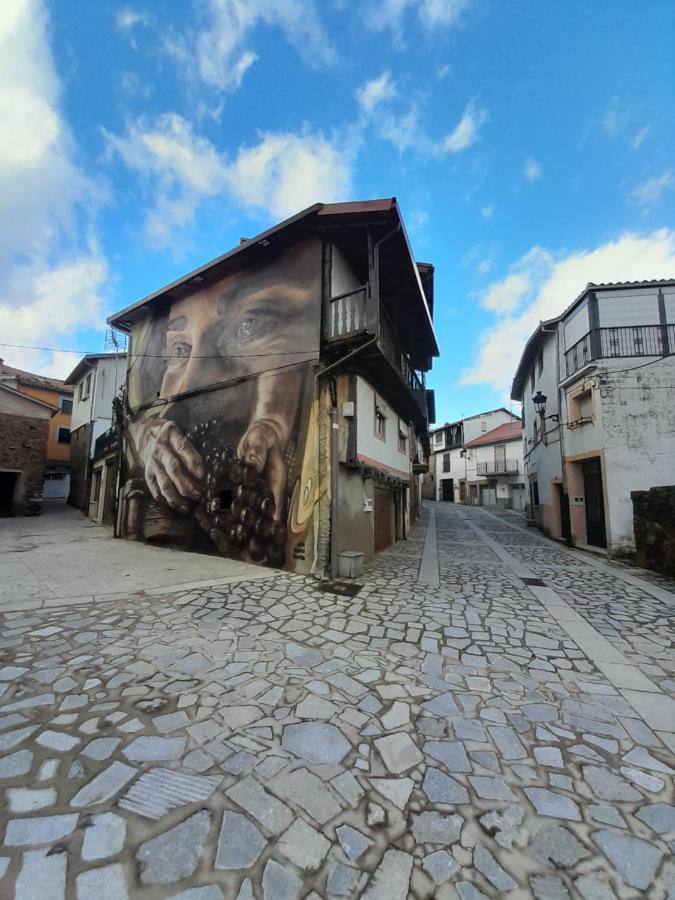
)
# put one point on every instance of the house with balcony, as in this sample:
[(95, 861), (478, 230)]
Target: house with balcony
[(598, 419), (495, 468), (276, 406), (452, 477)]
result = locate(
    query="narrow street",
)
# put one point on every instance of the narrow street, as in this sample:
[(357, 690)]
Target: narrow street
[(492, 715)]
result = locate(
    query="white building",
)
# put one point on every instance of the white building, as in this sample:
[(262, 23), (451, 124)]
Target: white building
[(455, 476), (596, 385), (97, 379), (495, 468)]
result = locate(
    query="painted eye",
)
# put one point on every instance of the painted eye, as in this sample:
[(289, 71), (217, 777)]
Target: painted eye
[(248, 328), (180, 350)]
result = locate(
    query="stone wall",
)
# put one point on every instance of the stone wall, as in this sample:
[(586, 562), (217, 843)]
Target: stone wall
[(654, 527), (23, 447)]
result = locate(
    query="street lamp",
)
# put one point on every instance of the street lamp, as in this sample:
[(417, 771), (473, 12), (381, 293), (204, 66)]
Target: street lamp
[(539, 401)]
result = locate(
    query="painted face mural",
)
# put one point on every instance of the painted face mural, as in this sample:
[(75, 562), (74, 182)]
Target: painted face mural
[(220, 392)]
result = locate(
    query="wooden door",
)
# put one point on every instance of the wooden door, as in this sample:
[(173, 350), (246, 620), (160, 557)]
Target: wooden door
[(596, 534), (448, 490), (383, 511)]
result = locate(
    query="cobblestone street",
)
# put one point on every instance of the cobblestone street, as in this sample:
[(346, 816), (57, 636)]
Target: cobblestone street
[(492, 715)]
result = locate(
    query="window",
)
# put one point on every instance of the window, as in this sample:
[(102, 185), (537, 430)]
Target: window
[(402, 438), (380, 422), (438, 437), (535, 493), (85, 388), (446, 462), (63, 436), (483, 425), (540, 362), (66, 405)]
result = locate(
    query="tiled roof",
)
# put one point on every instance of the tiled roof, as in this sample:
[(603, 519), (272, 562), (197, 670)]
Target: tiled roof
[(30, 379), (509, 431)]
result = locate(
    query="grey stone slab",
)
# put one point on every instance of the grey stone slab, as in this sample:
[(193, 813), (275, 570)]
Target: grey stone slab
[(304, 846), (175, 853), (440, 865), (58, 740), (210, 892), (468, 729), (155, 749), (468, 891), (308, 792), (607, 815), (639, 756), (548, 803), (315, 742), (342, 880), (259, 803), (39, 829), (11, 739), (280, 883), (642, 779), (659, 816), (391, 879), (21, 800), (435, 828), (488, 866), (489, 788), (451, 753), (608, 786), (441, 788), (547, 887), (101, 748), (444, 705), (634, 859), (240, 843), (171, 722), (30, 703), (539, 712), (107, 883), (105, 785), (396, 790), (159, 791), (399, 752), (348, 787), (557, 846), (507, 742), (593, 887), (42, 876), (353, 842), (549, 756), (104, 837), (658, 710)]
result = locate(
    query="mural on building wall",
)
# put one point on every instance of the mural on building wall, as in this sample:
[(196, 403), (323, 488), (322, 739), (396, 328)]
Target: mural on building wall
[(220, 450)]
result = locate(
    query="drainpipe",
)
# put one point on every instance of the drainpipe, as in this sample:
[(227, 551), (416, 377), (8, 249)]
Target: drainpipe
[(561, 432)]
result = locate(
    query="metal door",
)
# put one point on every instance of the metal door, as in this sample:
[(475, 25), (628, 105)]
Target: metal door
[(596, 534), (488, 496)]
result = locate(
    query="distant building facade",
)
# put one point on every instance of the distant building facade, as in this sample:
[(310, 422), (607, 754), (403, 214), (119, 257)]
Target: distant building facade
[(277, 410), (459, 470), (596, 386), (95, 381)]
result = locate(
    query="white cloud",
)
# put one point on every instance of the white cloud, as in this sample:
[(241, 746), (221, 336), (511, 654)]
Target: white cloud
[(555, 280), (127, 19), (650, 192), (383, 15), (217, 49), (279, 175), (375, 92), (466, 131), (46, 248), (506, 295), (531, 169), (487, 212), (614, 119), (639, 137)]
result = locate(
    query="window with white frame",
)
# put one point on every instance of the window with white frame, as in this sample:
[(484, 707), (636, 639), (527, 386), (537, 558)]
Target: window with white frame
[(446, 462), (380, 421), (85, 388)]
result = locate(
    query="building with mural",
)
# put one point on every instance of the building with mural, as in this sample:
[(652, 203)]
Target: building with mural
[(276, 409)]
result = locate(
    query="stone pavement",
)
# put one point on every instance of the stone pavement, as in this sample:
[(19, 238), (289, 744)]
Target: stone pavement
[(491, 716)]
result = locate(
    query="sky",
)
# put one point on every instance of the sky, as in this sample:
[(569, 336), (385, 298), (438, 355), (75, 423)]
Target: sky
[(531, 147)]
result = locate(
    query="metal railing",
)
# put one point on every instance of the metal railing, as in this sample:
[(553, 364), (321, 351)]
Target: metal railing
[(631, 340), (498, 467), (392, 349), (347, 314)]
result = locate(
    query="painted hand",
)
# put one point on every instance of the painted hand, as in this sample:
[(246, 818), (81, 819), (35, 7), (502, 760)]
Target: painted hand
[(260, 449), (173, 468)]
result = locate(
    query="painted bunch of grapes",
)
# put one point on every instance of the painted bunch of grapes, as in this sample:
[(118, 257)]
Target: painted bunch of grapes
[(237, 501)]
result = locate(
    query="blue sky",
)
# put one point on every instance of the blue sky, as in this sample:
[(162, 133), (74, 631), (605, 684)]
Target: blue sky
[(530, 145)]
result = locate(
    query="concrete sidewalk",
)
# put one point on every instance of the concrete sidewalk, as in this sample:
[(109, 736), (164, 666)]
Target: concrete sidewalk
[(62, 558)]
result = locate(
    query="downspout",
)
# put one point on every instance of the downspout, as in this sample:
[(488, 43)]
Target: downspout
[(561, 432)]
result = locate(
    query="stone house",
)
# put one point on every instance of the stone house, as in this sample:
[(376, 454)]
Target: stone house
[(276, 404)]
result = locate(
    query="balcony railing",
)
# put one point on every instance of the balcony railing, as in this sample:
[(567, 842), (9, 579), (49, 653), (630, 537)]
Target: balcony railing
[(392, 349), (498, 467), (632, 340), (347, 314)]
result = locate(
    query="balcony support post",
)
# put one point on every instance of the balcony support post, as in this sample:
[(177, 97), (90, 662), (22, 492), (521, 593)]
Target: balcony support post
[(594, 325), (663, 322)]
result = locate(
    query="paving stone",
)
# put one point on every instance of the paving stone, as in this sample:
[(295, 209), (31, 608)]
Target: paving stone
[(11, 739), (280, 883), (391, 878), (259, 803), (104, 837), (240, 843), (22, 800), (175, 853), (507, 742), (315, 708), (155, 749), (548, 803), (659, 816), (171, 722), (376, 815), (546, 887), (396, 790), (440, 866), (436, 828), (555, 845), (39, 829), (308, 792), (468, 729), (303, 845), (444, 705), (592, 887), (342, 880), (488, 866), (353, 842), (642, 779), (57, 740), (489, 788), (105, 785), (396, 717), (42, 876), (468, 891), (451, 753), (399, 752), (634, 859), (101, 748), (318, 743), (607, 815), (639, 756), (210, 892), (107, 882), (608, 786), (440, 788), (539, 712), (349, 788), (159, 791)]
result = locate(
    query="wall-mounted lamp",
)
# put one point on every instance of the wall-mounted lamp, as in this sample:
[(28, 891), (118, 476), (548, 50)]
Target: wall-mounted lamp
[(539, 401)]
